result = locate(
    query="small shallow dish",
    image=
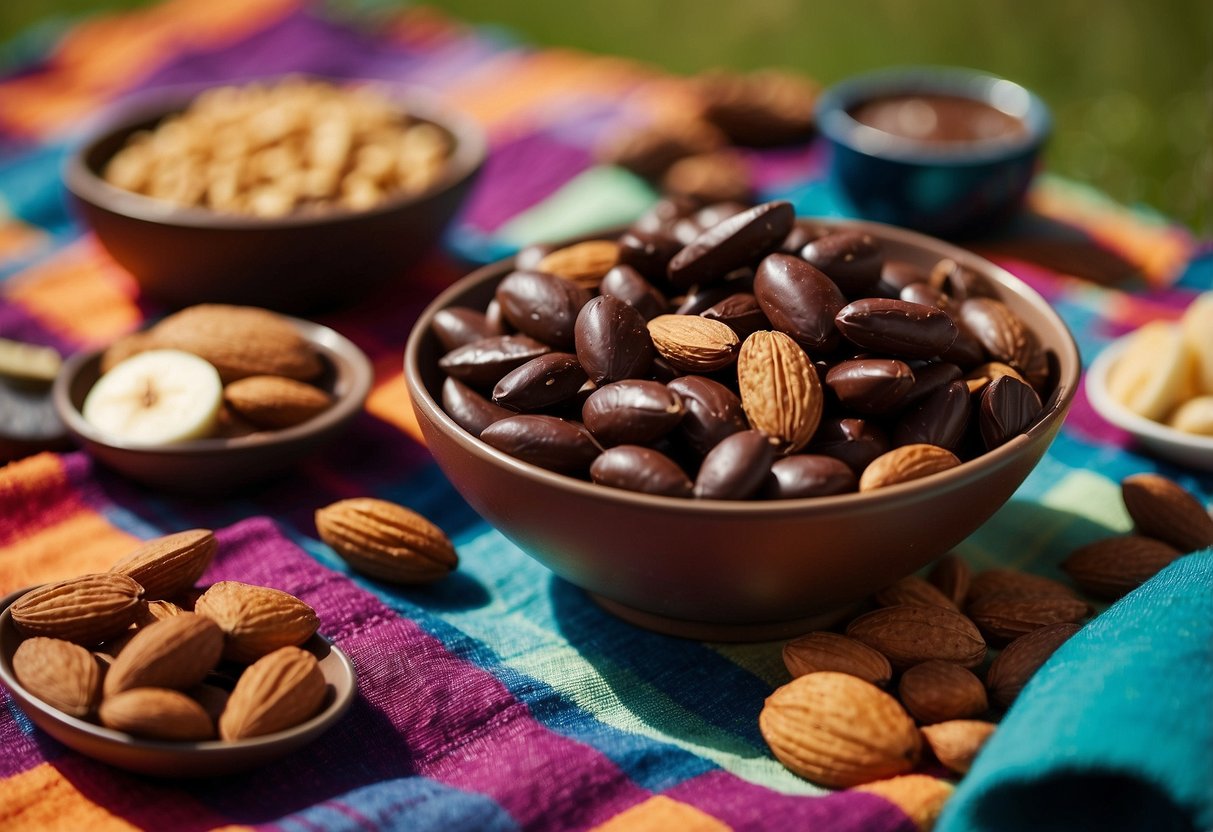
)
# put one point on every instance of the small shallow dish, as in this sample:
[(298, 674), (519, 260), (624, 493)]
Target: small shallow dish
[(186, 255), (1186, 449), (952, 189), (732, 570), (158, 758), (220, 466)]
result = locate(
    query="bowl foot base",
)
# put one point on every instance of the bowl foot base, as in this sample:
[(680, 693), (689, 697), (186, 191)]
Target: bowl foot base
[(723, 631)]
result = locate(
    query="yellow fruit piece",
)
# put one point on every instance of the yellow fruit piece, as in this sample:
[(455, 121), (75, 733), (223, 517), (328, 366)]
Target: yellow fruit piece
[(1154, 373), (1197, 326), (1194, 416)]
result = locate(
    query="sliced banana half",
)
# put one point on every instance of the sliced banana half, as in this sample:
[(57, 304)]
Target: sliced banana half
[(1198, 335), (156, 398), (1154, 373)]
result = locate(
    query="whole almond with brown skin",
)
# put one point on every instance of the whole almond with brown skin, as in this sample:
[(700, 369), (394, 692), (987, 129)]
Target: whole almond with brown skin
[(157, 611), (829, 651), (920, 796), (1019, 661), (1116, 566), (169, 565), (692, 343), (904, 464), (1011, 583), (780, 390), (275, 402), (157, 714), (280, 690), (256, 620), (239, 341), (913, 590), (1002, 618), (175, 653), (838, 730), (583, 263), (957, 742), (978, 378), (85, 610), (386, 540), (1165, 511), (910, 635), (61, 674), (952, 577), (936, 691)]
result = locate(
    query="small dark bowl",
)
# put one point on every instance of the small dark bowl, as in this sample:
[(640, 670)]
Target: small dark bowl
[(945, 189), (219, 466), (157, 758), (186, 255), (733, 570)]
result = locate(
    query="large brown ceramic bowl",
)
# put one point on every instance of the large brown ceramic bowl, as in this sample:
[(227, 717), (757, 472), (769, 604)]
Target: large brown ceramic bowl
[(725, 569), (209, 758), (217, 467), (186, 255)]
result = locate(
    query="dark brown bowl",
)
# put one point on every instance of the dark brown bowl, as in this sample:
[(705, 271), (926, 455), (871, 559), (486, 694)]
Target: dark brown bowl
[(210, 758), (186, 255), (220, 466), (727, 570)]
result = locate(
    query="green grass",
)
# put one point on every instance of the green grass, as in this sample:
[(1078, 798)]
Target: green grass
[(1130, 83)]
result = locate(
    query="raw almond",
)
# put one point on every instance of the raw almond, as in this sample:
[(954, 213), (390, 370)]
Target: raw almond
[(956, 743), (278, 691), (1165, 511), (838, 730), (780, 391), (1019, 661), (909, 635), (61, 674), (158, 714), (829, 651), (153, 611), (1008, 582), (386, 540), (937, 691), (256, 620), (85, 610), (693, 344), (920, 796), (239, 341), (952, 577), (1002, 618), (275, 402), (169, 565), (583, 263), (913, 590), (1116, 566), (980, 377), (175, 653), (909, 462)]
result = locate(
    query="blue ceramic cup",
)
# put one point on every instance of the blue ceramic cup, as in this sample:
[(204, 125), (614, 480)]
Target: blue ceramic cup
[(943, 188)]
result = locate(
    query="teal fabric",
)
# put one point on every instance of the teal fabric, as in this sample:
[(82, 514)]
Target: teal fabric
[(1115, 732)]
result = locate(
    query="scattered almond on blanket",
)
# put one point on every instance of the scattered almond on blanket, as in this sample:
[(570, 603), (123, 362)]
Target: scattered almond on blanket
[(386, 541), (160, 658)]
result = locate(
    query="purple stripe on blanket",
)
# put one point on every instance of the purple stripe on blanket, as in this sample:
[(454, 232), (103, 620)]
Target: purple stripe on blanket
[(19, 325), (745, 806), (518, 174)]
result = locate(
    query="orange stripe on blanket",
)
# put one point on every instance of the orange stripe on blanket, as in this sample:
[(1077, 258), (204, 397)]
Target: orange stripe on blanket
[(19, 240), (659, 814), (79, 292), (389, 399), (102, 56), (43, 799), (507, 86), (34, 494), (77, 545)]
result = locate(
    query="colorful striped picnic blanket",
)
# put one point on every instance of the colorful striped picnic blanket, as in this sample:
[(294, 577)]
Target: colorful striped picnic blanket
[(500, 698)]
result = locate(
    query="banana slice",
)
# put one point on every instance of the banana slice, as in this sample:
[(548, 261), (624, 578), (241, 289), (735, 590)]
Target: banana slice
[(28, 362), (1154, 373), (156, 398), (1194, 416), (1198, 335)]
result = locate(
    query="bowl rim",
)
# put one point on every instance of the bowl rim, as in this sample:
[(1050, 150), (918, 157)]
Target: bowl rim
[(908, 492), (471, 150), (321, 721), (359, 376), (1096, 386), (837, 124)]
